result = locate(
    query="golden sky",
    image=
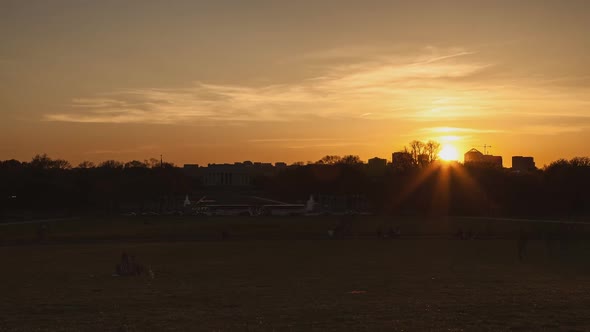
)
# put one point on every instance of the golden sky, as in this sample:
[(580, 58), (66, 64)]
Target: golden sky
[(225, 81)]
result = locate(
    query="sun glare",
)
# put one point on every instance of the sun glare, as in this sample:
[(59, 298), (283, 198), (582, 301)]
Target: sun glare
[(448, 153)]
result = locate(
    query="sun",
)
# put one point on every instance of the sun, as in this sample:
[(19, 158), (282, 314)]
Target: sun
[(448, 153)]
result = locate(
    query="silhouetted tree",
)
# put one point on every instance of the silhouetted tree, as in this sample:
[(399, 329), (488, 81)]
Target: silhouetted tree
[(46, 186), (135, 164), (423, 153), (329, 160), (350, 160), (112, 164), (86, 164), (153, 162), (42, 161), (432, 149)]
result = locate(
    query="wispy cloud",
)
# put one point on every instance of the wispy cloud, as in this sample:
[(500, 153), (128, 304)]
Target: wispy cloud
[(307, 143), (143, 148), (552, 129), (282, 140), (327, 145), (382, 87), (450, 130), (430, 86)]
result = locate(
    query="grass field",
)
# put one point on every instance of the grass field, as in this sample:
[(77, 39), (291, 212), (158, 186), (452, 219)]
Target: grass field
[(285, 275)]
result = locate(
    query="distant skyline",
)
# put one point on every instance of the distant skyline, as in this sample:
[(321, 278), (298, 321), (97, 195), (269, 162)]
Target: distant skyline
[(223, 81)]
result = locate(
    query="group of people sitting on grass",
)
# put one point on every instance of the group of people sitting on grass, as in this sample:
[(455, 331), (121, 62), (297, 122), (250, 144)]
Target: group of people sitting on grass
[(468, 235), (129, 267), (391, 233)]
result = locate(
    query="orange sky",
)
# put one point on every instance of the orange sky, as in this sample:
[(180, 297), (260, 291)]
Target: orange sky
[(228, 81)]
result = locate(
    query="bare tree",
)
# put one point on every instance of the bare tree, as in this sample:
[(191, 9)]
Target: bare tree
[(416, 150), (432, 149), (86, 164), (135, 164), (61, 164), (111, 164), (42, 161), (350, 160), (423, 153), (329, 160), (153, 163)]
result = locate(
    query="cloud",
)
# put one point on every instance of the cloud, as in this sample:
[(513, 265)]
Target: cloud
[(383, 88), (307, 143), (450, 130), (143, 148), (552, 129), (282, 140), (327, 145), (430, 86)]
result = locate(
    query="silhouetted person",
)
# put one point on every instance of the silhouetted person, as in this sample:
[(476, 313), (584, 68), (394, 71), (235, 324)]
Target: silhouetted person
[(460, 235), (391, 233), (522, 243), (129, 266), (136, 268), (42, 232), (549, 237), (331, 233), (124, 266)]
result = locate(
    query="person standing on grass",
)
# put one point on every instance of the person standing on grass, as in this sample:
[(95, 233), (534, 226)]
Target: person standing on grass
[(42, 232), (522, 243)]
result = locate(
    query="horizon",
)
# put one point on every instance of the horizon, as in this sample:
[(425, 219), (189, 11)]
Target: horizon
[(507, 161), (217, 82)]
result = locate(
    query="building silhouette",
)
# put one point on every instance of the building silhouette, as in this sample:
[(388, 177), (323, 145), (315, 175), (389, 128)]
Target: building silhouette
[(377, 162), (236, 174), (376, 166), (474, 157), (523, 164)]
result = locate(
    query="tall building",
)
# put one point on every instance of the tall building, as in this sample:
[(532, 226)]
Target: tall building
[(377, 162), (226, 175), (376, 166), (523, 164), (476, 158)]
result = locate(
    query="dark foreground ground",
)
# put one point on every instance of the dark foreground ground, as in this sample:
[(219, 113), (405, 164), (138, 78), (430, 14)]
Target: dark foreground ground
[(296, 284)]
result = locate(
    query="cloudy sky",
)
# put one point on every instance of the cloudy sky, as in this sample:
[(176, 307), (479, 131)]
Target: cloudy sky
[(224, 81)]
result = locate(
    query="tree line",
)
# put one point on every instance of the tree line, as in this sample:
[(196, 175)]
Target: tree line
[(45, 187)]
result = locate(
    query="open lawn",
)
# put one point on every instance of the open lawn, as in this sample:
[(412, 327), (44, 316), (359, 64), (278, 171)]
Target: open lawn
[(283, 277)]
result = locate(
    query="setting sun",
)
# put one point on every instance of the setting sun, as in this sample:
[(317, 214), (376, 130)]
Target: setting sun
[(448, 153)]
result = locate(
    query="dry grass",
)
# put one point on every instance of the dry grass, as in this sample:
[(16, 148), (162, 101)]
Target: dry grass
[(293, 284)]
